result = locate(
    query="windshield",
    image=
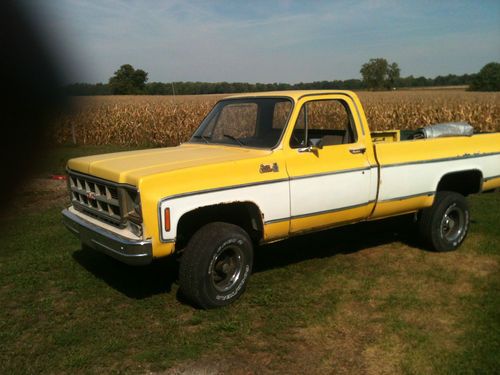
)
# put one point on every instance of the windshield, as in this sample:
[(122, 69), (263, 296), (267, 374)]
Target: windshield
[(251, 122)]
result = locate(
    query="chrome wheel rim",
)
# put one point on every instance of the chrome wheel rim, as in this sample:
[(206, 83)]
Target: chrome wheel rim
[(452, 224), (226, 267)]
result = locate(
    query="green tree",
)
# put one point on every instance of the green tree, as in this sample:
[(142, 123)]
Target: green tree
[(127, 81), (378, 73), (488, 78), (393, 73)]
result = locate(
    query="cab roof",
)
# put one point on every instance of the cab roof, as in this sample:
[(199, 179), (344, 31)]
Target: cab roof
[(294, 94)]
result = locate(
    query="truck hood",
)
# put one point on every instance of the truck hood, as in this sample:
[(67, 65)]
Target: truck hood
[(130, 166)]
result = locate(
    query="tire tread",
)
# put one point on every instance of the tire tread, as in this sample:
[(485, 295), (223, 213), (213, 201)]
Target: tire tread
[(429, 215), (190, 275)]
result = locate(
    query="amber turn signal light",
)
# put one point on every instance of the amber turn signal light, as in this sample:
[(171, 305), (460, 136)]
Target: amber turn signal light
[(166, 218)]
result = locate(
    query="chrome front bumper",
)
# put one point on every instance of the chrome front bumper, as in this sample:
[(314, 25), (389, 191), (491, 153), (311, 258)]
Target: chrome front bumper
[(129, 251)]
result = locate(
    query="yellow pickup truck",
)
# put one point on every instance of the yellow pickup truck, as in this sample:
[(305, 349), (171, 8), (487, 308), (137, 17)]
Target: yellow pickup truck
[(264, 167)]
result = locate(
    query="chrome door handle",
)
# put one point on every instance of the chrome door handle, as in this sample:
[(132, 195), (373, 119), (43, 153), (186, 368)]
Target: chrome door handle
[(360, 150), (305, 149)]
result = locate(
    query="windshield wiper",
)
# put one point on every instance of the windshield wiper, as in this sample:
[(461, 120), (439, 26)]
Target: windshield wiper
[(202, 137), (234, 139)]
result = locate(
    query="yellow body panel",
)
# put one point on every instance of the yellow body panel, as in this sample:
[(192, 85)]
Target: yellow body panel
[(276, 231), (191, 168), (396, 207), (494, 183), (131, 166), (386, 136), (437, 148), (329, 220)]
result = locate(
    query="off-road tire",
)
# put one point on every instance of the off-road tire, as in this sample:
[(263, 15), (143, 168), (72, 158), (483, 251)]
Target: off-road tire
[(444, 225), (215, 266)]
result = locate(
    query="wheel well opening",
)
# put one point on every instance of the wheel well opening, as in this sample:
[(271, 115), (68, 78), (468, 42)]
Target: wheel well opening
[(463, 182), (244, 214)]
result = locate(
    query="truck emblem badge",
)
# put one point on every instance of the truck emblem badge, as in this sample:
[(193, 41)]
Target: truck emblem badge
[(266, 168), (91, 195)]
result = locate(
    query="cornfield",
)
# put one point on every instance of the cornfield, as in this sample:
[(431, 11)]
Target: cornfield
[(168, 121)]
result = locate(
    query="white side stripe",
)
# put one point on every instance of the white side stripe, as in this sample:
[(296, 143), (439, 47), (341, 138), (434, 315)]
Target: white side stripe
[(272, 199)]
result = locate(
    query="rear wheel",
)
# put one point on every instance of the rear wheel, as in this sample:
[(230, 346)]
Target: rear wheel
[(216, 264), (445, 224)]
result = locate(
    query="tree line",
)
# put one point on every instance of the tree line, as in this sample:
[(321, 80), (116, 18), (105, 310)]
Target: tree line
[(190, 88), (377, 74)]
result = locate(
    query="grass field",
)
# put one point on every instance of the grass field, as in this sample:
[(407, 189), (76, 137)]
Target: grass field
[(360, 299), (167, 121)]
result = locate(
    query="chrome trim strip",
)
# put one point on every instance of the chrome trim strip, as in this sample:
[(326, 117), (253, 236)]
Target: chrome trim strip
[(312, 175), (170, 240), (332, 210), (440, 160), (276, 220), (485, 179), (231, 187), (126, 250), (429, 193), (320, 212)]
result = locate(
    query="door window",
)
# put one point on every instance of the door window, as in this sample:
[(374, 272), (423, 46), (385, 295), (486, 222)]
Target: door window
[(324, 122)]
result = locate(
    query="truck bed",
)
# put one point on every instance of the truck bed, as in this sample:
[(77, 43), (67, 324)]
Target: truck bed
[(410, 171)]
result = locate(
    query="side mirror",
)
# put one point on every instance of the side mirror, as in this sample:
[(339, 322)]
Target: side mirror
[(314, 144)]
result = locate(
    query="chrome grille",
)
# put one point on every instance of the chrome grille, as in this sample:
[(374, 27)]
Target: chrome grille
[(96, 197)]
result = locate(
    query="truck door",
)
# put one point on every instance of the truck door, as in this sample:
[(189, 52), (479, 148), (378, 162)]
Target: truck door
[(331, 179)]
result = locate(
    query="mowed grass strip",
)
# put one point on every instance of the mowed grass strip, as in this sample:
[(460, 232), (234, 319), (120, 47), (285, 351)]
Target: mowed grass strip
[(360, 299)]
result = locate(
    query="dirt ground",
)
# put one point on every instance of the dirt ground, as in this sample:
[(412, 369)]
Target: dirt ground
[(39, 194)]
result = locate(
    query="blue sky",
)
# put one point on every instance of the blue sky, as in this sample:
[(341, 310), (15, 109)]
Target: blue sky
[(267, 41)]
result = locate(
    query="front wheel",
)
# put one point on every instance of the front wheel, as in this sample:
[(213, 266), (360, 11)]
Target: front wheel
[(216, 264), (444, 225)]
